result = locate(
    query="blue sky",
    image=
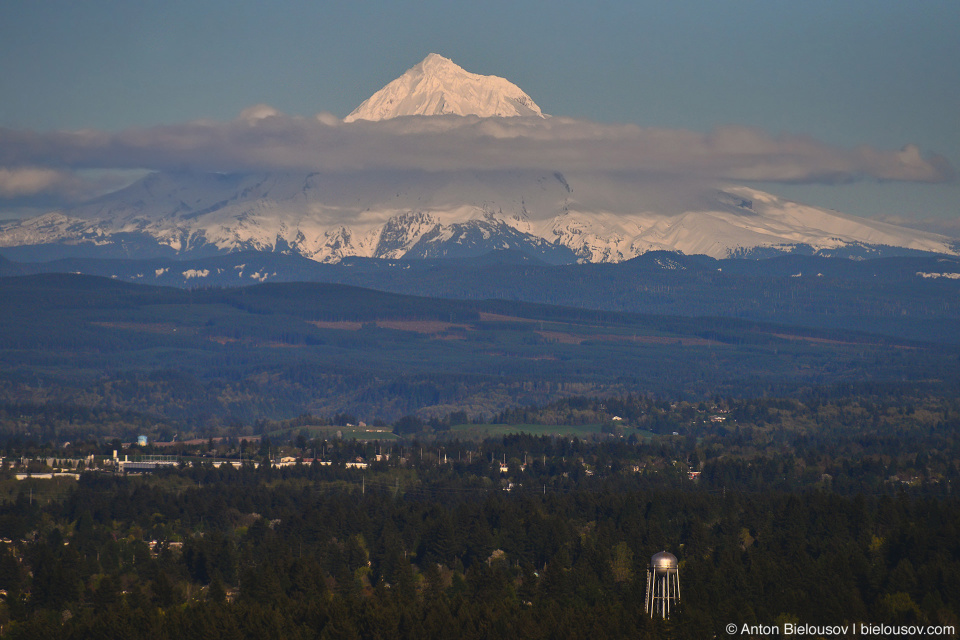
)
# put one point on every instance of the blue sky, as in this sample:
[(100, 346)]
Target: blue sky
[(846, 74)]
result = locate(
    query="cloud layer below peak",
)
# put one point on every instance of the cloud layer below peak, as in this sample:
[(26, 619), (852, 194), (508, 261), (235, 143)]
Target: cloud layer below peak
[(262, 139)]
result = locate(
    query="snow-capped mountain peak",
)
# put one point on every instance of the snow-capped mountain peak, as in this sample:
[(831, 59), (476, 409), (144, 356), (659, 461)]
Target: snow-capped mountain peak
[(438, 86), (555, 217)]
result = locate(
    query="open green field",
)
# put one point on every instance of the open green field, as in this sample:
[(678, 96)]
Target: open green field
[(494, 430), (480, 431), (325, 432)]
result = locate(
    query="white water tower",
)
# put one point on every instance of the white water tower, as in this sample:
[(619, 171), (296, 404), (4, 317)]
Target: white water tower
[(663, 584)]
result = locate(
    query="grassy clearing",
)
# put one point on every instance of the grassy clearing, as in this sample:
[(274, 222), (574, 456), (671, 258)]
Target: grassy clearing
[(481, 431), (493, 430), (330, 432)]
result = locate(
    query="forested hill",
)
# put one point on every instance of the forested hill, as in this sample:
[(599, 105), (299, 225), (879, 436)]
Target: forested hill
[(216, 356), (909, 297)]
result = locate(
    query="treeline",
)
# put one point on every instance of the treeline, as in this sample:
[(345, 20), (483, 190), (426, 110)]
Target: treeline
[(431, 550), (830, 414)]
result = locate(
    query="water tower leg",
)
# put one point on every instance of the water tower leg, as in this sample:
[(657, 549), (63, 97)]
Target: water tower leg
[(666, 600), (646, 598)]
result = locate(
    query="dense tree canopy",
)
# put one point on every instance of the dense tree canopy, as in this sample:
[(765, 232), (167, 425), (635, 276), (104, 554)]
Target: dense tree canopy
[(418, 548)]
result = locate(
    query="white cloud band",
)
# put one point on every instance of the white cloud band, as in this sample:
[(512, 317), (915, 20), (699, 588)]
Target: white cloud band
[(262, 139)]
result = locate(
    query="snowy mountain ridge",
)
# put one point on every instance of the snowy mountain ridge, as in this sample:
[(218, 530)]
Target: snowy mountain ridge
[(458, 214)]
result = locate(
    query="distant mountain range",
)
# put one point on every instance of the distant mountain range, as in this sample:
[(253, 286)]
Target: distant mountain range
[(548, 215)]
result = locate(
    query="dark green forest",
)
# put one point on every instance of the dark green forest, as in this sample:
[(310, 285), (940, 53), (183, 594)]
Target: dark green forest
[(831, 509), (416, 548)]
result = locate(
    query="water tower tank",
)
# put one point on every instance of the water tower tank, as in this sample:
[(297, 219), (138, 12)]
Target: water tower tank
[(663, 584)]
